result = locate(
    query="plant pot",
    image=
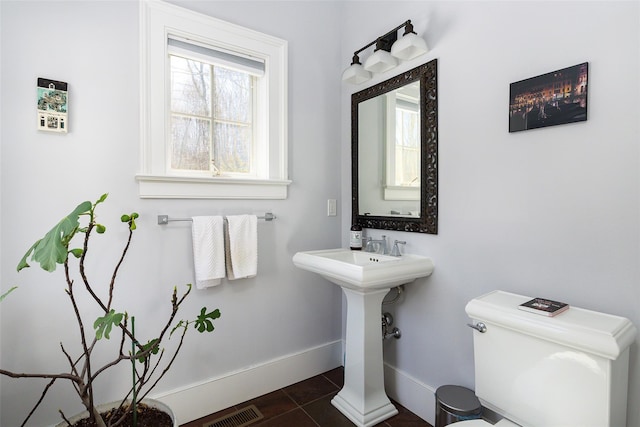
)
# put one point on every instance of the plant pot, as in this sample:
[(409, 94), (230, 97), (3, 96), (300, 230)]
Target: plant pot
[(107, 406)]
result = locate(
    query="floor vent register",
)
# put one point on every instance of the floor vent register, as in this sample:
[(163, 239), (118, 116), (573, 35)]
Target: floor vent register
[(240, 418)]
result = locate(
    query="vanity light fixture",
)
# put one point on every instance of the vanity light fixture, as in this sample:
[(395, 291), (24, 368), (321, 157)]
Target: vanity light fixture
[(388, 48), (356, 73), (381, 60), (410, 45)]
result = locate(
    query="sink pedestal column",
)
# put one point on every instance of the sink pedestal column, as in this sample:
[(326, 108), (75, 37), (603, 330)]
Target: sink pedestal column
[(363, 399)]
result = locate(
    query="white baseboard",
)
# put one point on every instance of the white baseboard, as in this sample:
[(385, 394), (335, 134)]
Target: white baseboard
[(198, 400), (414, 395)]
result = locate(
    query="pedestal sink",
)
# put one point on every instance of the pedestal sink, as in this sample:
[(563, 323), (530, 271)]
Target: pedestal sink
[(365, 279)]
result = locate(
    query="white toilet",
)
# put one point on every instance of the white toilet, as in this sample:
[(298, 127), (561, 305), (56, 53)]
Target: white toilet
[(570, 370)]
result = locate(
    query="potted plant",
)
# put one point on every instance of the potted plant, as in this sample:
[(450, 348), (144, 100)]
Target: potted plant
[(148, 362)]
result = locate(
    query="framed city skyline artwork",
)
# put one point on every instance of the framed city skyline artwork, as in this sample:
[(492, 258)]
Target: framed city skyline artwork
[(550, 99)]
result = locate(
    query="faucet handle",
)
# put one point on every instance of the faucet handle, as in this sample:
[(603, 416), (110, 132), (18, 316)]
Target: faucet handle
[(396, 250)]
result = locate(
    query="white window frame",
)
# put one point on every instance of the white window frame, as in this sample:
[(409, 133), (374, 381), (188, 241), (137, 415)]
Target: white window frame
[(392, 191), (157, 21)]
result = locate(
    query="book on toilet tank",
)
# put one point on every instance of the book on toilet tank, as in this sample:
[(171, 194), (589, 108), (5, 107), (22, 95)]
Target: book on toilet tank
[(544, 307)]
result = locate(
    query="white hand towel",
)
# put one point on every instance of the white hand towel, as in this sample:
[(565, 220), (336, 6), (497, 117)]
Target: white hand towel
[(241, 238), (208, 250)]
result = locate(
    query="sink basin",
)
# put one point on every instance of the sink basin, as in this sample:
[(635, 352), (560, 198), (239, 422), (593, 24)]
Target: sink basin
[(363, 270)]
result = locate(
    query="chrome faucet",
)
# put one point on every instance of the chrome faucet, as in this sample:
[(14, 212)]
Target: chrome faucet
[(396, 250), (378, 246)]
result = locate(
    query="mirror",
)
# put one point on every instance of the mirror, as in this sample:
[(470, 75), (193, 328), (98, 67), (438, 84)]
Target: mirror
[(394, 148)]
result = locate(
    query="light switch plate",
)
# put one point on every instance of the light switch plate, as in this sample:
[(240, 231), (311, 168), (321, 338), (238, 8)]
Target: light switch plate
[(331, 207)]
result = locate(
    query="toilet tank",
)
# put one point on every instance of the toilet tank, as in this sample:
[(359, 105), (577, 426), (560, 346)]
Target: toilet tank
[(570, 370)]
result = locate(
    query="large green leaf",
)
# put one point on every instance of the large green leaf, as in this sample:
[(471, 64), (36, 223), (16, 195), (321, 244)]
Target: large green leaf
[(53, 248), (103, 325), (204, 320), (151, 345)]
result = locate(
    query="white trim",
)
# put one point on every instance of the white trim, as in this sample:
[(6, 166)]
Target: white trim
[(172, 187), (398, 192), (411, 393), (198, 400), (158, 20), (215, 394)]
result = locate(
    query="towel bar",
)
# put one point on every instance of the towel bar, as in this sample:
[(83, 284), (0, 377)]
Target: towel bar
[(164, 219)]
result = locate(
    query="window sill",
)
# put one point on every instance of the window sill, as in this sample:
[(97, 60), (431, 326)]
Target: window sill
[(173, 187), (401, 193)]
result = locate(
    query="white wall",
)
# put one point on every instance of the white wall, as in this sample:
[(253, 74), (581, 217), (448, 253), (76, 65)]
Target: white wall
[(551, 212), (277, 316)]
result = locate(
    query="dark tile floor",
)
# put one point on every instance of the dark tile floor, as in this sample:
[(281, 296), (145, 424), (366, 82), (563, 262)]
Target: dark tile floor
[(308, 404)]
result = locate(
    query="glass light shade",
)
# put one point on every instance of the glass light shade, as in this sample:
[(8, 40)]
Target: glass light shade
[(355, 74), (409, 46), (380, 61)]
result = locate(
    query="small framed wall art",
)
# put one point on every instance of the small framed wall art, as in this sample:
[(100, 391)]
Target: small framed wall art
[(550, 99), (52, 106)]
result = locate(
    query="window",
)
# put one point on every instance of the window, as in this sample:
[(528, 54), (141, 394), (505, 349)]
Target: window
[(213, 108), (403, 143), (212, 114), (407, 147)]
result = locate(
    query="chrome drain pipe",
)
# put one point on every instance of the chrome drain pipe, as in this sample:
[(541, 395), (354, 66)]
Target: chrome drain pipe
[(387, 321), (395, 333)]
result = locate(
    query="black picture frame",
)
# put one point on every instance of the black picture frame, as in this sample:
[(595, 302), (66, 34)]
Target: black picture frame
[(550, 99)]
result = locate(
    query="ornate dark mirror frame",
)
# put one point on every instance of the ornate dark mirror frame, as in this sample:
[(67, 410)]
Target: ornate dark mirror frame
[(428, 220)]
